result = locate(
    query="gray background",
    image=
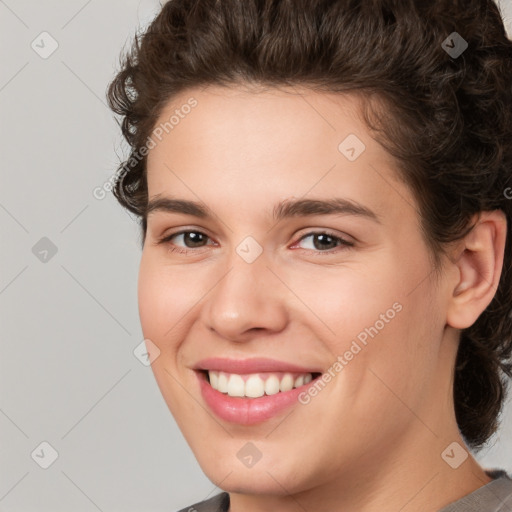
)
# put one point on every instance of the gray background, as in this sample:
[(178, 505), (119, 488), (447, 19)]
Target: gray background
[(69, 320)]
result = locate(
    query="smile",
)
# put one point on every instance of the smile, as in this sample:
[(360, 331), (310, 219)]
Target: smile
[(251, 391), (255, 385)]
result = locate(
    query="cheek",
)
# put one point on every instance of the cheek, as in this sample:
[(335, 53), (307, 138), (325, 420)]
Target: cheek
[(166, 296), (377, 318), (344, 302), (160, 304), (150, 294)]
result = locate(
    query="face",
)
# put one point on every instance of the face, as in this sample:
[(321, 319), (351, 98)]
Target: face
[(304, 260)]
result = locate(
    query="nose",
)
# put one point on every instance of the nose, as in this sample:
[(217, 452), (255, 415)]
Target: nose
[(248, 298)]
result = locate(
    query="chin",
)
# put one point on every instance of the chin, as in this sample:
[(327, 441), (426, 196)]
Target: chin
[(259, 485), (264, 478)]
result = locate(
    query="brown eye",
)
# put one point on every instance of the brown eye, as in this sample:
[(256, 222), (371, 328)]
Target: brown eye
[(324, 242), (189, 240)]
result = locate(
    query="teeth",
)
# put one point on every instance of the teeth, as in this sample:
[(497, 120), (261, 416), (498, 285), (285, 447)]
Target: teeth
[(272, 385), (236, 385), (214, 380), (286, 383), (222, 383), (253, 385)]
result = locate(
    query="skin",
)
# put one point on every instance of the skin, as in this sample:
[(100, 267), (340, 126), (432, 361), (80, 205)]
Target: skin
[(372, 439)]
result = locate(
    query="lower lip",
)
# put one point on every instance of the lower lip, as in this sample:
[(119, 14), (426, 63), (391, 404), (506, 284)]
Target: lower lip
[(248, 411)]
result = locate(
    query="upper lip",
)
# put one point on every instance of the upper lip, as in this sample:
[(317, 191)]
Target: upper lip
[(253, 365)]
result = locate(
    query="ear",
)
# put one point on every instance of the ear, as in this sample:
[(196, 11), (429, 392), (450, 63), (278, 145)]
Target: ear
[(479, 260)]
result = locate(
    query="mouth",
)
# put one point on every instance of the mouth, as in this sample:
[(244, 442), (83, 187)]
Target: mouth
[(251, 398), (256, 385)]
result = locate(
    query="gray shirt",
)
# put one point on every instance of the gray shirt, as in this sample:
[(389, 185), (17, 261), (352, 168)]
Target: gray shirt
[(496, 496)]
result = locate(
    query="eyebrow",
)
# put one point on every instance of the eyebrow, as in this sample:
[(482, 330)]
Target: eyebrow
[(284, 209)]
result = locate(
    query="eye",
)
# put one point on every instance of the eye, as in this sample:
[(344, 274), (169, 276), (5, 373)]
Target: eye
[(192, 240), (322, 241)]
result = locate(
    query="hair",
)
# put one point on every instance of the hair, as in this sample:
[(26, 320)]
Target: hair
[(447, 120)]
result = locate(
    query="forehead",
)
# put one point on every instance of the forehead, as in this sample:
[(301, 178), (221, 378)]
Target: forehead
[(267, 145), (240, 124)]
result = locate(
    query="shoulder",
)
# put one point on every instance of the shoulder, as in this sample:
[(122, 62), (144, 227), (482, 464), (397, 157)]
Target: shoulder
[(496, 496), (219, 503)]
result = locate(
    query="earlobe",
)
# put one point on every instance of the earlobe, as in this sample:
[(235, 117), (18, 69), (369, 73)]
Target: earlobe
[(479, 268)]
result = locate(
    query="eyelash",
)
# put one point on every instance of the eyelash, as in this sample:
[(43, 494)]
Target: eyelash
[(342, 242)]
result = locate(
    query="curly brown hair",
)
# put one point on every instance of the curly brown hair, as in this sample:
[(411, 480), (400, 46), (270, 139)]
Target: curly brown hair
[(447, 119)]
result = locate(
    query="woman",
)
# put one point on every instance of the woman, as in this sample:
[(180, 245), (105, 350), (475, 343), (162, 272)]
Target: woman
[(325, 285)]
